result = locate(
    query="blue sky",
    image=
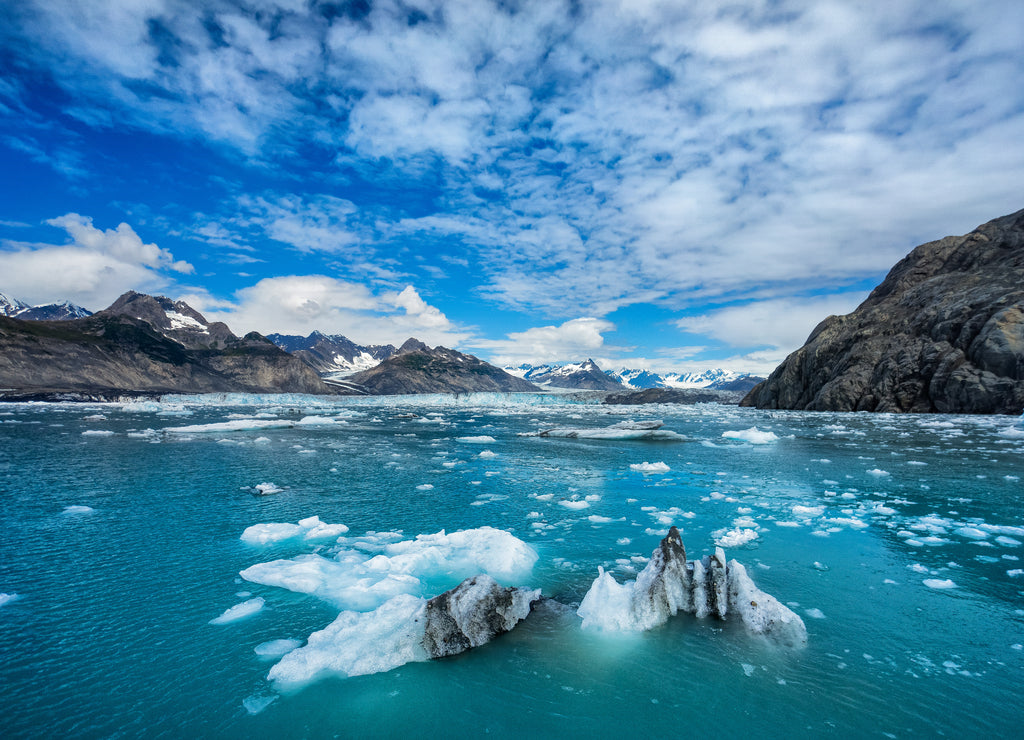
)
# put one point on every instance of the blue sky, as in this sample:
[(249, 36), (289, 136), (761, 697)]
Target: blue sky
[(670, 184)]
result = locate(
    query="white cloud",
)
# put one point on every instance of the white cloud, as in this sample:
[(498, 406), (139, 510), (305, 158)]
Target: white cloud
[(92, 271), (300, 304), (782, 325), (576, 339)]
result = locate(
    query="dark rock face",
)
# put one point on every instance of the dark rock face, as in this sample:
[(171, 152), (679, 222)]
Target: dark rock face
[(674, 395), (944, 332), (332, 353), (118, 352), (472, 614), (418, 369)]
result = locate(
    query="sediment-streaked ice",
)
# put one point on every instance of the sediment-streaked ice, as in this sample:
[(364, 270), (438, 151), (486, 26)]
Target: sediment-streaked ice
[(240, 611)]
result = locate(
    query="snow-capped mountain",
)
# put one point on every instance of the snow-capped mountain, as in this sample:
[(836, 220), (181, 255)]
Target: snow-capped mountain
[(714, 379), (174, 319), (62, 311), (579, 375), (333, 354), (584, 375)]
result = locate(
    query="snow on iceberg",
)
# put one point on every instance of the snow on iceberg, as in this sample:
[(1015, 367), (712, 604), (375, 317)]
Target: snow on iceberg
[(240, 611), (753, 435), (669, 584)]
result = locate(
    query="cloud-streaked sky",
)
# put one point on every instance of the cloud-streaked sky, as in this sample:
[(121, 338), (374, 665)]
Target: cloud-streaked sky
[(678, 184)]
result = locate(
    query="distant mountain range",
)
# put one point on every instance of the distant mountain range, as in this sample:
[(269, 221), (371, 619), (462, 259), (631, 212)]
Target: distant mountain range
[(587, 375), (152, 344), (16, 309)]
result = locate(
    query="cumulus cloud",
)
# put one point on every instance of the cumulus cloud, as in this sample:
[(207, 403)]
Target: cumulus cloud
[(92, 270), (576, 339), (300, 304), (581, 156)]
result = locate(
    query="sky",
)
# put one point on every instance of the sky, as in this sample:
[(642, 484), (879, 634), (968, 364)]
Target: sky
[(674, 185)]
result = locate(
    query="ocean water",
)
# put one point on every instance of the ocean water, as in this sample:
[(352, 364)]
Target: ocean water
[(897, 539)]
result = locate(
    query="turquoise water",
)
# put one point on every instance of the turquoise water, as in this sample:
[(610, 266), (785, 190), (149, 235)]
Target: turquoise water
[(896, 538)]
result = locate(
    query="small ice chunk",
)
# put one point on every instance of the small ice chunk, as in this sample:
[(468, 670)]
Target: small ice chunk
[(647, 467), (814, 613), (938, 583), (97, 433), (806, 512), (753, 435), (482, 439), (272, 649), (266, 489), (240, 611), (8, 598), (575, 505), (258, 702), (78, 509), (487, 455), (734, 537), (877, 473), (424, 487)]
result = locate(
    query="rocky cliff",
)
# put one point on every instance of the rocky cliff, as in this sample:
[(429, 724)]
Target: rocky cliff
[(416, 368), (944, 332), (143, 344), (333, 353)]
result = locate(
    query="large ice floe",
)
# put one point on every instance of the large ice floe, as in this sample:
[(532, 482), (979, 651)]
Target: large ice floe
[(669, 584), (643, 430), (383, 584)]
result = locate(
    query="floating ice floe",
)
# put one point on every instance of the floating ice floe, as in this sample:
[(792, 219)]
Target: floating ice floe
[(266, 489), (669, 584), (640, 430), (648, 467), (753, 435), (240, 611), (482, 439), (276, 648), (8, 598), (310, 528), (78, 509), (97, 433), (938, 583)]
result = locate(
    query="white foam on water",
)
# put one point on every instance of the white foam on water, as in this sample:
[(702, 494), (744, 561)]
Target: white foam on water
[(273, 649), (648, 467), (357, 644), (938, 583), (753, 436), (240, 611), (78, 509)]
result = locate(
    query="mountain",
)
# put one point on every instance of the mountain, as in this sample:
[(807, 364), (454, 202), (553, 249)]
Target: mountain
[(716, 379), (143, 344), (580, 376), (43, 312), (416, 368), (333, 353), (943, 332)]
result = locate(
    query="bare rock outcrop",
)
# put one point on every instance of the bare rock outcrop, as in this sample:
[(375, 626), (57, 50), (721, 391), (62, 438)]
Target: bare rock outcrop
[(944, 332)]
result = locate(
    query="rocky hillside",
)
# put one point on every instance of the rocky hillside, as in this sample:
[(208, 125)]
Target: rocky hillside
[(943, 333), (143, 344), (416, 368), (61, 311)]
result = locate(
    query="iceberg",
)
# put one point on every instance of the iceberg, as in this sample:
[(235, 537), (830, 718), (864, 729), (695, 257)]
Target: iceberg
[(642, 430), (753, 435), (240, 611), (669, 585)]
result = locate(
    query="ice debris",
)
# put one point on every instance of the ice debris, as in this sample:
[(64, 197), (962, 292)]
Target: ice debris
[(240, 611), (642, 430), (648, 467), (669, 584), (753, 435)]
